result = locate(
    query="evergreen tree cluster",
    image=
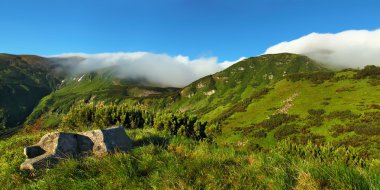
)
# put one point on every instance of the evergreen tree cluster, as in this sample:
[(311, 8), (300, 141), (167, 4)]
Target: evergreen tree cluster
[(100, 115)]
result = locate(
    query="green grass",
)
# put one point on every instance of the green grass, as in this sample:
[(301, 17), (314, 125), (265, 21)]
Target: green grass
[(160, 161)]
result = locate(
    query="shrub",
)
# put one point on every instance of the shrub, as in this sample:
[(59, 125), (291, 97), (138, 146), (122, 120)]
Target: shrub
[(366, 128), (353, 141), (308, 137), (339, 78), (368, 71), (371, 117), (285, 131), (316, 112), (260, 133), (100, 115), (337, 130), (259, 94), (277, 120), (368, 124), (325, 103), (213, 131), (374, 106), (343, 115), (314, 77), (315, 117), (374, 82), (325, 153), (345, 89)]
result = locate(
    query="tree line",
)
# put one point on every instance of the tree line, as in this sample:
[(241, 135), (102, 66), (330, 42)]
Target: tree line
[(100, 115)]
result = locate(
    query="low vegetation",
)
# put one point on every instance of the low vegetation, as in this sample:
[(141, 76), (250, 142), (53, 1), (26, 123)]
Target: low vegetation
[(315, 77)]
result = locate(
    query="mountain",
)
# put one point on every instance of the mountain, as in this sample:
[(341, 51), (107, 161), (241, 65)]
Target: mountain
[(101, 85), (25, 79), (221, 90), (265, 99), (242, 80)]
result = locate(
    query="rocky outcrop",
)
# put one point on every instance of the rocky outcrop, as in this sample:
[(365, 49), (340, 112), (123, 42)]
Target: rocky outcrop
[(55, 146)]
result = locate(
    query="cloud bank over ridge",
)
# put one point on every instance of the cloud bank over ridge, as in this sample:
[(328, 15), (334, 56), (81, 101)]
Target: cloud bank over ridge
[(352, 48), (173, 71)]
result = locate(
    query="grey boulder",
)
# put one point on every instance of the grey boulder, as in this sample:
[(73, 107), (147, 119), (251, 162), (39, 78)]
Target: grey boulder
[(57, 145)]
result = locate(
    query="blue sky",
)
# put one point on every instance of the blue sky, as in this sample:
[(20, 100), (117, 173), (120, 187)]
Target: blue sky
[(227, 29)]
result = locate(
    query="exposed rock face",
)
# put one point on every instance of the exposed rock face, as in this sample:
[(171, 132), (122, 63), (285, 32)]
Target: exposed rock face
[(209, 93), (57, 145)]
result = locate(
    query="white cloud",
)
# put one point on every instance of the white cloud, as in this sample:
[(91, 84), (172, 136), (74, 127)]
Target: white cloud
[(227, 64), (174, 71), (352, 48)]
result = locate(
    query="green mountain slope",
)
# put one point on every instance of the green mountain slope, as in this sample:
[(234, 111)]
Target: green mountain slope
[(101, 85), (220, 91), (250, 99), (241, 82), (328, 112), (24, 81)]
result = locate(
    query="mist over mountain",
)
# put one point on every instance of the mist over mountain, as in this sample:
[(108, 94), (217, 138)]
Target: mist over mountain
[(339, 50), (162, 69), (352, 48)]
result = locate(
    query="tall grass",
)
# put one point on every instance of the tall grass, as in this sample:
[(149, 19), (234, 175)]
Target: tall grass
[(162, 161)]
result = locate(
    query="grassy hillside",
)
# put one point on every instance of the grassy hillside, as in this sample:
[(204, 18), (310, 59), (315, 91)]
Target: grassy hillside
[(340, 111), (271, 122)]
